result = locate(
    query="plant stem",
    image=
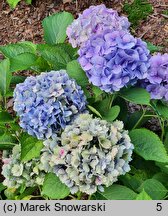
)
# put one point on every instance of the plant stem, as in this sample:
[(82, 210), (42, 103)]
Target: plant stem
[(162, 125), (79, 196), (112, 97), (140, 119)]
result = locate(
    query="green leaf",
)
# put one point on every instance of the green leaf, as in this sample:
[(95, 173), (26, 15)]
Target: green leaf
[(148, 145), (93, 110), (55, 27), (96, 91), (5, 117), (54, 188), (7, 141), (72, 52), (161, 177), (5, 76), (28, 1), (143, 196), (13, 3), (13, 50), (163, 167), (112, 114), (30, 148), (162, 109), (17, 79), (132, 181), (22, 62), (116, 192), (152, 48), (154, 189), (2, 187), (75, 71), (134, 118), (54, 55), (136, 95)]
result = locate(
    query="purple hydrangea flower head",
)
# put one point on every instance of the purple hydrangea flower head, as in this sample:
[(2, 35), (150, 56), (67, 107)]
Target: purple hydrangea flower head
[(114, 59), (157, 79), (93, 20), (47, 103)]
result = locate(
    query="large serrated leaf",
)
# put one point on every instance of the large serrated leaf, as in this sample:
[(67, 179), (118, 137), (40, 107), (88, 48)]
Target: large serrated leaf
[(75, 71), (55, 27), (148, 145), (30, 148), (54, 188), (136, 95), (116, 192), (56, 56), (154, 189), (22, 62), (143, 196), (12, 50)]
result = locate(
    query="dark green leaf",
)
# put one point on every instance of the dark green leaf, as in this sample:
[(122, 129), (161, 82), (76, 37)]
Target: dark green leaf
[(54, 188), (2, 187), (112, 114), (30, 148), (148, 145), (75, 71), (7, 141), (136, 95), (5, 76), (162, 109), (116, 192), (154, 189), (161, 177), (143, 196), (13, 50), (17, 79), (5, 117), (54, 55), (22, 62), (55, 27)]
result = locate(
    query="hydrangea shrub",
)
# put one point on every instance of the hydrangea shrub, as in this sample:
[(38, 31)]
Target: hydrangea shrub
[(79, 105)]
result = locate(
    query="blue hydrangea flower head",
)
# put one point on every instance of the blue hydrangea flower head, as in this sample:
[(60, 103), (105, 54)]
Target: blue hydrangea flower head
[(157, 79), (114, 59), (93, 20), (47, 103), (91, 154)]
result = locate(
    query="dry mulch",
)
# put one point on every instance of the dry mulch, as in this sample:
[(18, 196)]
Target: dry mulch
[(24, 23)]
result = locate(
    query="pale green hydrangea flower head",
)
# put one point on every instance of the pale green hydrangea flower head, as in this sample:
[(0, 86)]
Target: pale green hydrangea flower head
[(91, 154), (18, 173)]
